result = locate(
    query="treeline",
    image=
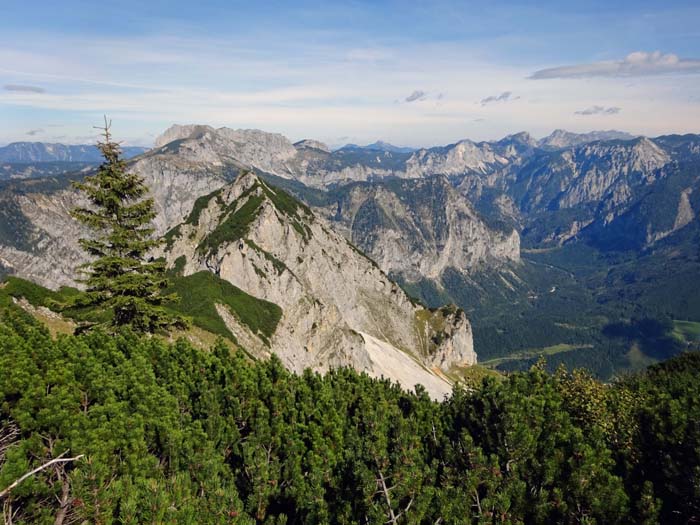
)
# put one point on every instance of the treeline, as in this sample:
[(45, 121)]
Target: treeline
[(172, 434)]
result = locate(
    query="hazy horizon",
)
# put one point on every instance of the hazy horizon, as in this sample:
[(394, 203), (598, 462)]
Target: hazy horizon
[(333, 145)]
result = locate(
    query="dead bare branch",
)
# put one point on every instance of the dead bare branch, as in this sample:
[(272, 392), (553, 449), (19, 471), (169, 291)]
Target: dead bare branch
[(59, 459)]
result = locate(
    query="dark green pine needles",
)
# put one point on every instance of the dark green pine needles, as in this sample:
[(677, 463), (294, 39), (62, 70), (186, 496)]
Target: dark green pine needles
[(122, 279)]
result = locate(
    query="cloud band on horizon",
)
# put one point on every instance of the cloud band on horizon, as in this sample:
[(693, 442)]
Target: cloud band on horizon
[(637, 64)]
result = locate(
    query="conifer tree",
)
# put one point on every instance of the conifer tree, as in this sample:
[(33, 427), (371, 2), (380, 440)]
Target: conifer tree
[(122, 279)]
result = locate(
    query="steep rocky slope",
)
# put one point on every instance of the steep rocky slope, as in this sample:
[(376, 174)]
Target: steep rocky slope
[(417, 229), (584, 190), (448, 229), (338, 307)]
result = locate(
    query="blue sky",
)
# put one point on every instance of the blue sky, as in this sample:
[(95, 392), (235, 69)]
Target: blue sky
[(413, 73)]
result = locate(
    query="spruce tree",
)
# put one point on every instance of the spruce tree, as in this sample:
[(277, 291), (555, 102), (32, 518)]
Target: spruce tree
[(122, 279)]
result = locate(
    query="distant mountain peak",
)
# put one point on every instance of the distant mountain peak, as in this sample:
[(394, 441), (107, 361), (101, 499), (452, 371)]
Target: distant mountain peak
[(522, 137), (312, 144), (561, 138), (179, 132)]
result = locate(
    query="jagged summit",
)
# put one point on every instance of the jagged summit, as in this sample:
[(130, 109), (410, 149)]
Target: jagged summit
[(522, 137)]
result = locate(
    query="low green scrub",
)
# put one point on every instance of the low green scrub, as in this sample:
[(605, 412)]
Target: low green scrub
[(61, 300), (687, 330), (199, 293), (167, 433), (235, 224)]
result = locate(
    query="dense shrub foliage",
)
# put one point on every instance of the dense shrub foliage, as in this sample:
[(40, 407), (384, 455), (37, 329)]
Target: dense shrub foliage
[(172, 434)]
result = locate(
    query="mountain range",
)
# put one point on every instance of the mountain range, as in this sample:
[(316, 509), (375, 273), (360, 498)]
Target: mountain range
[(546, 244), (30, 152)]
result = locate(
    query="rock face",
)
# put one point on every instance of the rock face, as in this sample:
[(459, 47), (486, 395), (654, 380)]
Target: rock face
[(251, 148), (551, 196), (586, 188), (339, 308), (419, 228), (589, 173)]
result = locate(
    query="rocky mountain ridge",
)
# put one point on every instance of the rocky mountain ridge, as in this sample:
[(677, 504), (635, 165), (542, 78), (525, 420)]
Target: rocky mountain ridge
[(450, 230), (560, 138), (339, 308)]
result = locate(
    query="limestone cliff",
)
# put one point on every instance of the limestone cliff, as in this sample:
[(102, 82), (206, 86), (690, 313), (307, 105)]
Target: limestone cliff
[(337, 304), (419, 228)]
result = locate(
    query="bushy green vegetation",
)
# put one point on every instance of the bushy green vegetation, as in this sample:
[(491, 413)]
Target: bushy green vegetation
[(200, 292), (173, 434)]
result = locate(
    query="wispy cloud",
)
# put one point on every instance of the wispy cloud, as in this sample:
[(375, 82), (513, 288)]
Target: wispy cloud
[(599, 110), (637, 64), (33, 132), (506, 96), (416, 96), (23, 89)]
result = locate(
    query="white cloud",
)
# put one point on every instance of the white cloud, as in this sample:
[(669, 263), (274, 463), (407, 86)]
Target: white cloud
[(637, 64), (506, 96), (33, 132), (599, 110)]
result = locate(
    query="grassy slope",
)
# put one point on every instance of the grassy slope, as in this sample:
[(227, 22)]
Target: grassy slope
[(199, 293)]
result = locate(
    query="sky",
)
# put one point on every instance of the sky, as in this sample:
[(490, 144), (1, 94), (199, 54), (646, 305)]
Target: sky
[(412, 73)]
